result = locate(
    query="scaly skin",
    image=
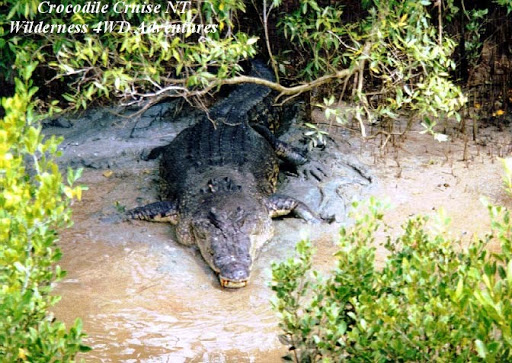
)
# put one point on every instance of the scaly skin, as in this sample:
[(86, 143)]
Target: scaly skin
[(218, 184)]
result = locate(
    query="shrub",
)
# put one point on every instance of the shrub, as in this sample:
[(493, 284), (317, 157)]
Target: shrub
[(401, 60), (146, 60), (389, 49), (34, 203), (432, 301)]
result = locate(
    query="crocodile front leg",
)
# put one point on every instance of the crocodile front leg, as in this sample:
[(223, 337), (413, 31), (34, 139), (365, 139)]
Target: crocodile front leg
[(165, 211), (280, 205)]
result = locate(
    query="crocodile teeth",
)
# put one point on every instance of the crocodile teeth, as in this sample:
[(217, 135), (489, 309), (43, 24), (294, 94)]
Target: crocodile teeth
[(231, 284)]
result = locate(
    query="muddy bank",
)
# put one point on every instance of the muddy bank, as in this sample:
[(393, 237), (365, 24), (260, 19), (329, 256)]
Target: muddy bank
[(141, 295)]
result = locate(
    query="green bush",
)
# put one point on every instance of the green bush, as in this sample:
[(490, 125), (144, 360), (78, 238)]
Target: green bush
[(132, 64), (505, 3), (400, 60), (432, 301), (34, 204), (391, 48)]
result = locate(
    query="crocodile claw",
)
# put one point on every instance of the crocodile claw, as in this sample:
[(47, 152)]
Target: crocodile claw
[(328, 219), (313, 169)]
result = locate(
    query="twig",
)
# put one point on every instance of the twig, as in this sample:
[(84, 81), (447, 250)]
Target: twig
[(267, 38), (439, 4)]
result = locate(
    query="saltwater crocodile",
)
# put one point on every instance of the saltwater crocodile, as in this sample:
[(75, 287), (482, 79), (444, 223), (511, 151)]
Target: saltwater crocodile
[(219, 179)]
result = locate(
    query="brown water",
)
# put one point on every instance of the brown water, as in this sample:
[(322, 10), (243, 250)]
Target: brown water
[(144, 297)]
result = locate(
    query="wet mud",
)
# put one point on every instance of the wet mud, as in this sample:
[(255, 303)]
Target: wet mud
[(142, 296)]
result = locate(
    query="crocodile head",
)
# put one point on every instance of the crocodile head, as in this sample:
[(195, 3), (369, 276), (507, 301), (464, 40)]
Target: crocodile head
[(228, 237)]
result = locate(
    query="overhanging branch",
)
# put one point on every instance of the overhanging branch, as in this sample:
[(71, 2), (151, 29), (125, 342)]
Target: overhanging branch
[(180, 91)]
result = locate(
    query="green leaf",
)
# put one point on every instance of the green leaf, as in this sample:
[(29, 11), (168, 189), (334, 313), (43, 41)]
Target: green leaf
[(84, 348), (458, 290), (481, 349), (252, 40), (509, 274)]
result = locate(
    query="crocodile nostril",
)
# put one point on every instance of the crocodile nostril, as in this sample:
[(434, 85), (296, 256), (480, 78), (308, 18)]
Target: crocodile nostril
[(240, 275), (235, 271)]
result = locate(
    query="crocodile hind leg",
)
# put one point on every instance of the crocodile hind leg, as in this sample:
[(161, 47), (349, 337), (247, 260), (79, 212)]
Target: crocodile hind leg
[(165, 211), (292, 155), (283, 150), (280, 205)]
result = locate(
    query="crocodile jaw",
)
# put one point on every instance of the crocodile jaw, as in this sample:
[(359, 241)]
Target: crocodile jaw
[(232, 284)]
